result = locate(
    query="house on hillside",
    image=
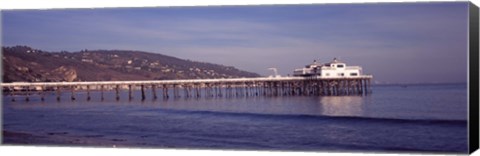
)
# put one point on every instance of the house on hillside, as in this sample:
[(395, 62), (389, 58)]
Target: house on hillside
[(334, 69)]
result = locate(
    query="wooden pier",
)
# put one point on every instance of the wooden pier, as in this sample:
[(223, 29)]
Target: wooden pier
[(233, 87)]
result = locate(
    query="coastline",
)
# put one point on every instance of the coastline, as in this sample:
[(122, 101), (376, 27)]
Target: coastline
[(59, 139)]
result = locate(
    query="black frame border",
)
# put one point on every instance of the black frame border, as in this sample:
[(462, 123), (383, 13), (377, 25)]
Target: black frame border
[(473, 78)]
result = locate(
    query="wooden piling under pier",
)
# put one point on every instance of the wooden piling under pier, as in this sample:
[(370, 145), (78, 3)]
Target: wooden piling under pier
[(101, 92), (209, 88), (58, 93), (42, 94), (12, 93), (73, 92), (143, 91), (130, 92), (27, 97), (154, 92), (88, 93)]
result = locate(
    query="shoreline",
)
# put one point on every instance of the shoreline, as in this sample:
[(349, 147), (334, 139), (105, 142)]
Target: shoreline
[(59, 139), (13, 138)]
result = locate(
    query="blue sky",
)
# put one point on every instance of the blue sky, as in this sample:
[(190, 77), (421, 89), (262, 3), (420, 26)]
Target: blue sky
[(397, 43)]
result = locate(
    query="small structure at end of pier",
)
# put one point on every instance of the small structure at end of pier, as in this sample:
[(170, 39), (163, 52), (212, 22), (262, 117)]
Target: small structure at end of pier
[(333, 69)]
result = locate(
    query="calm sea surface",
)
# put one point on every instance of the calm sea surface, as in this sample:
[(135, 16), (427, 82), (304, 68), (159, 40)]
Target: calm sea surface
[(429, 118)]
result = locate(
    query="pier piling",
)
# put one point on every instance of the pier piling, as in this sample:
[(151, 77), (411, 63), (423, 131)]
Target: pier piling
[(101, 92), (130, 92), (154, 92), (88, 93), (58, 93), (27, 97), (44, 88), (12, 93), (143, 92), (117, 94), (72, 88)]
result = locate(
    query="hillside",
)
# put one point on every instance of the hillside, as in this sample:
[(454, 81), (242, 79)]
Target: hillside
[(22, 63)]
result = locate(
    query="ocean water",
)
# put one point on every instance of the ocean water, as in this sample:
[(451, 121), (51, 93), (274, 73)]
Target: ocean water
[(413, 118)]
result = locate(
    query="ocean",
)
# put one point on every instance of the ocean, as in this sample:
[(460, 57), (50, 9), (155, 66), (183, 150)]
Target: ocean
[(394, 118)]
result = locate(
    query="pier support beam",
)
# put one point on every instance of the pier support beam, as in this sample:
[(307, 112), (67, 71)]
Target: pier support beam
[(88, 93), (197, 90), (175, 91), (44, 88), (72, 89), (130, 92), (117, 94), (101, 92), (12, 93), (58, 93), (143, 91), (165, 91), (27, 98), (220, 90), (154, 92)]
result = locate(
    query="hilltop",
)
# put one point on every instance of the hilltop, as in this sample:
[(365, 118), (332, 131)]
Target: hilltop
[(25, 64)]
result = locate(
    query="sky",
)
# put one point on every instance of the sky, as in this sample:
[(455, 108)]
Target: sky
[(395, 42)]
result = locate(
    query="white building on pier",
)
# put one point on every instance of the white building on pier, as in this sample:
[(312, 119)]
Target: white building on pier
[(334, 69)]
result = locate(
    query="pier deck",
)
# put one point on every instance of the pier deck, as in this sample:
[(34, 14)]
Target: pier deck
[(266, 86)]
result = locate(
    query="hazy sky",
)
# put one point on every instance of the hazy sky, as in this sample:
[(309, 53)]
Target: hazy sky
[(399, 43)]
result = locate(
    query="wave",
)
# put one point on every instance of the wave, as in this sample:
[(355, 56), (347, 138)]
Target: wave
[(318, 117)]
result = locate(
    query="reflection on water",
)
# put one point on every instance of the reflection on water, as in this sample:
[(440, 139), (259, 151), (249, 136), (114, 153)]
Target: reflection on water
[(342, 105), (295, 105)]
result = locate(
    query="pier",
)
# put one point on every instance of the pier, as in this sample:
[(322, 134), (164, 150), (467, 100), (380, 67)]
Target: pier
[(196, 88)]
